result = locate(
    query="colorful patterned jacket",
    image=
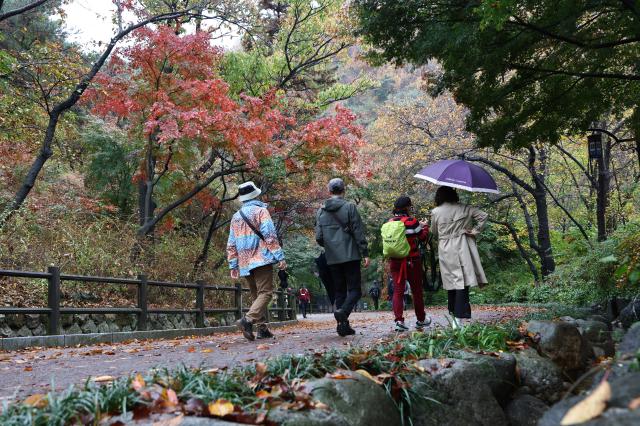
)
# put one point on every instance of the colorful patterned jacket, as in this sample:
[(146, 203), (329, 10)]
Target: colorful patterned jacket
[(245, 250)]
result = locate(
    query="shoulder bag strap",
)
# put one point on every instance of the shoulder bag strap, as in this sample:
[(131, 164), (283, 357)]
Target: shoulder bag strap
[(253, 228), (345, 227)]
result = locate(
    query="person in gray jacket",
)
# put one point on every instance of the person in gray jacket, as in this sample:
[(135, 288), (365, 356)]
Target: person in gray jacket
[(339, 230)]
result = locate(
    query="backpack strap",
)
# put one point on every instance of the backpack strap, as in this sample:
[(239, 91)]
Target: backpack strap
[(251, 225)]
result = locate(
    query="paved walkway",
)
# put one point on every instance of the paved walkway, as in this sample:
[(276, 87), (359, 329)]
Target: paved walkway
[(35, 370)]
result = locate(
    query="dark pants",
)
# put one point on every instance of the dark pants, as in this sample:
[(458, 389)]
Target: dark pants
[(412, 272), (304, 306), (375, 302), (459, 305), (347, 285)]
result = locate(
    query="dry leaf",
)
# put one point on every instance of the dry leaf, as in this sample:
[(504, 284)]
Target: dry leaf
[(634, 404), (211, 371), (366, 374), (207, 351), (590, 407), (101, 379), (28, 368), (262, 347), (191, 349), (263, 394), (37, 400), (169, 397), (339, 376), (220, 408), (138, 382)]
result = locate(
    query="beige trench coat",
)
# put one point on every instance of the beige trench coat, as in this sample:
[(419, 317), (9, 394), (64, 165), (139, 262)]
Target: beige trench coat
[(459, 259)]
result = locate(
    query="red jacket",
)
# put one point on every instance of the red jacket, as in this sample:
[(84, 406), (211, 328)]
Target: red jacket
[(304, 296), (414, 232)]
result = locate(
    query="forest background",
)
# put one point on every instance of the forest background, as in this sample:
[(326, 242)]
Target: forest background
[(125, 158)]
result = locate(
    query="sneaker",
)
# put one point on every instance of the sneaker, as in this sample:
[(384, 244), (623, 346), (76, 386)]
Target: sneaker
[(246, 327), (400, 326), (422, 324), (264, 333)]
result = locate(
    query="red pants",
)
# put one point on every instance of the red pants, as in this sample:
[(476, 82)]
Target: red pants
[(413, 274)]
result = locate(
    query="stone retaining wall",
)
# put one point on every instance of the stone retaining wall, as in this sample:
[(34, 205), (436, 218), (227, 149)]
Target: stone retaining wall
[(26, 325)]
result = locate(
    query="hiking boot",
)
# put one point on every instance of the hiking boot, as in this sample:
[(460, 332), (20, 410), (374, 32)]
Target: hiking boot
[(264, 333), (422, 324), (400, 326), (246, 327), (347, 329)]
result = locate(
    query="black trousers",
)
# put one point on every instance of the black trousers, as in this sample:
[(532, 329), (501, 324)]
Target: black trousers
[(375, 302), (347, 285), (459, 305), (304, 307)]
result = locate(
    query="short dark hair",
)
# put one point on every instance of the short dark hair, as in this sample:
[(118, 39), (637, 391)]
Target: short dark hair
[(446, 194)]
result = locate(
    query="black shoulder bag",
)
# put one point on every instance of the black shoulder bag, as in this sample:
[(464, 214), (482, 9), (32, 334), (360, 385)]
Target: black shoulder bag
[(253, 228)]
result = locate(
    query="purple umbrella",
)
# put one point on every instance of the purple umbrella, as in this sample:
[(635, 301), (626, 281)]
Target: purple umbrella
[(459, 174)]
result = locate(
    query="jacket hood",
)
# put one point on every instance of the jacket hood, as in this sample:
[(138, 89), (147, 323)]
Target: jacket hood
[(333, 204), (254, 203)]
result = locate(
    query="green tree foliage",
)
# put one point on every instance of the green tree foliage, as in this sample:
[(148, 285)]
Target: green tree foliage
[(528, 70), (112, 164)]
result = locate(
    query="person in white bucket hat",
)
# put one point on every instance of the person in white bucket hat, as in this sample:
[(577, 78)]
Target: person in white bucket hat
[(252, 250)]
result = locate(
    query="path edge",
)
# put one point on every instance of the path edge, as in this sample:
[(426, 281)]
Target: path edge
[(67, 340)]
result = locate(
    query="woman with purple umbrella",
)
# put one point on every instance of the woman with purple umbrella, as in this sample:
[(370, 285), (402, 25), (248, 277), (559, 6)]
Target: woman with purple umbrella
[(456, 226)]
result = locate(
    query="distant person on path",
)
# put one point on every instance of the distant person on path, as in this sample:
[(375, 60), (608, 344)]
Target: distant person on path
[(460, 267), (305, 299), (324, 273), (408, 269), (374, 292), (340, 231), (252, 250)]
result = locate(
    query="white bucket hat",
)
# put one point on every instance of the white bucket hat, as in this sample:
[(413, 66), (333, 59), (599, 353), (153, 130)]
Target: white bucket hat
[(248, 191)]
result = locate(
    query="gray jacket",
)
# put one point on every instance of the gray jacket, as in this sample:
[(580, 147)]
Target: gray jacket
[(340, 245)]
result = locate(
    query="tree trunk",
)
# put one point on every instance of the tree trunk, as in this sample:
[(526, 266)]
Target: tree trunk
[(539, 193), (604, 183)]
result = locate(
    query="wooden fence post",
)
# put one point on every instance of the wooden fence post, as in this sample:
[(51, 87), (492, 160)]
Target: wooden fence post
[(200, 304), (142, 302), (292, 306), (53, 299), (238, 301)]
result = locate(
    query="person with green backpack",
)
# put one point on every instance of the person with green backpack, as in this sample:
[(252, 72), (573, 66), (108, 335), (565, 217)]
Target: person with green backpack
[(400, 236)]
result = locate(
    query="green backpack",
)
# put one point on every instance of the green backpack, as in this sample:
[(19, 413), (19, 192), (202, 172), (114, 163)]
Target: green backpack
[(394, 241)]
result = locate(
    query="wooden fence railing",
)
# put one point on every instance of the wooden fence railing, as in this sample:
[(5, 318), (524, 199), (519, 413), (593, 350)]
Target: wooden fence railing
[(285, 307)]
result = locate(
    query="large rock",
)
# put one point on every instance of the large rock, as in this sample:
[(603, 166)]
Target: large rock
[(525, 410), (457, 393), (24, 331), (554, 416), (32, 320), (625, 389), (307, 418), (616, 417), (74, 329), (539, 374), (630, 344), (562, 343), (89, 327), (499, 372), (598, 335), (630, 314), (361, 401)]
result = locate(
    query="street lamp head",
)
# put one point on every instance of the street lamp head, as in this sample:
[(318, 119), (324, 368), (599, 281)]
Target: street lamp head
[(595, 145)]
